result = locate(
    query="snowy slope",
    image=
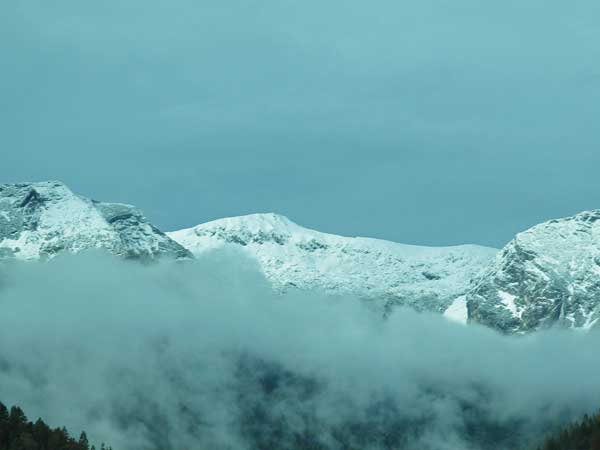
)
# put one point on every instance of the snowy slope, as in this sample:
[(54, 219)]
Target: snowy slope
[(425, 278), (548, 275), (40, 220)]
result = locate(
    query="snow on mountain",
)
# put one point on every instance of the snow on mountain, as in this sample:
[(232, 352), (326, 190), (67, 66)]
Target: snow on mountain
[(40, 220), (547, 276), (424, 278)]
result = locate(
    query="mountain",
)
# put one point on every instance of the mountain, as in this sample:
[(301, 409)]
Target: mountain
[(424, 278), (40, 220), (547, 276)]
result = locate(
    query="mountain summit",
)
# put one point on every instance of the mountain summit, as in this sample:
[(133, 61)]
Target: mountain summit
[(547, 276), (424, 278), (40, 220)]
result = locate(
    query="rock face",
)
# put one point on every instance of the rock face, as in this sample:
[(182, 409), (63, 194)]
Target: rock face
[(40, 220), (424, 278), (547, 276)]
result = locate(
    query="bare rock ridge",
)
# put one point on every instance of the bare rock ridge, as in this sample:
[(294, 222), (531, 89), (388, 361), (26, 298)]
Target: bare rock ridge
[(40, 220)]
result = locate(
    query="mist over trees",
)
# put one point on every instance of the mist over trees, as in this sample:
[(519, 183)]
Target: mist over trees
[(580, 435), (18, 433), (205, 355)]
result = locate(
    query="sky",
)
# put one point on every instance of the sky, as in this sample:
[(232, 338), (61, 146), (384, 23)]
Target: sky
[(429, 122)]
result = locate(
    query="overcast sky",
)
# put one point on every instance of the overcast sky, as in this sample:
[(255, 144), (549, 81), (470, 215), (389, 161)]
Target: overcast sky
[(426, 121)]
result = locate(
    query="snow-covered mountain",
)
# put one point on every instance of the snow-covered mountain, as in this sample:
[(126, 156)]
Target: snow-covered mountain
[(40, 220), (424, 278), (548, 275)]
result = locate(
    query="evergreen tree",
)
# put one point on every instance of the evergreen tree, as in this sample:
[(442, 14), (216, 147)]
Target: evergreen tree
[(18, 433), (83, 441), (581, 435)]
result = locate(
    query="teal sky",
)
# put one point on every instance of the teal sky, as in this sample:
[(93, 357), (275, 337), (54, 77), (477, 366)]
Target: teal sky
[(429, 122)]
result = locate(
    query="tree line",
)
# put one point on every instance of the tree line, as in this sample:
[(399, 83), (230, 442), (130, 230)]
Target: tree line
[(18, 433), (581, 435)]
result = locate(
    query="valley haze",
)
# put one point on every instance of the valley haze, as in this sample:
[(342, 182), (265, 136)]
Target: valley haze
[(206, 355), (254, 332)]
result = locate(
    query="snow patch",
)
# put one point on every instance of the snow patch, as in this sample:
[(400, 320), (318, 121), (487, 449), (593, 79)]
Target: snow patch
[(24, 247), (457, 311), (589, 322), (508, 300)]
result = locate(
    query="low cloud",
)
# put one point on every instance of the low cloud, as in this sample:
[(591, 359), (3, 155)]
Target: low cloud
[(204, 355)]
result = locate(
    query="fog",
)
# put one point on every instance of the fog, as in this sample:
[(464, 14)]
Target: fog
[(203, 355)]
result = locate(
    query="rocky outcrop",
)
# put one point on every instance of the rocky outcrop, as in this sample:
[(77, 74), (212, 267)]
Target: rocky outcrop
[(547, 276), (41, 220)]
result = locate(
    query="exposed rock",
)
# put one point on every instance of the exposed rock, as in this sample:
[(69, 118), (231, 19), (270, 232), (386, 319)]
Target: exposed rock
[(547, 276), (41, 220)]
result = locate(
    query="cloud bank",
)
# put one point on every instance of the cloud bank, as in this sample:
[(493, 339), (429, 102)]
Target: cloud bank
[(203, 355)]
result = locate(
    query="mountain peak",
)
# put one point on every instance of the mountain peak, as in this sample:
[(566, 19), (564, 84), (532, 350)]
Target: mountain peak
[(41, 219), (426, 278), (254, 222), (547, 275)]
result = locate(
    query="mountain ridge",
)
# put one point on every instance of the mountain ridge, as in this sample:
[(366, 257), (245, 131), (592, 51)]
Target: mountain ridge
[(547, 276), (391, 274)]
